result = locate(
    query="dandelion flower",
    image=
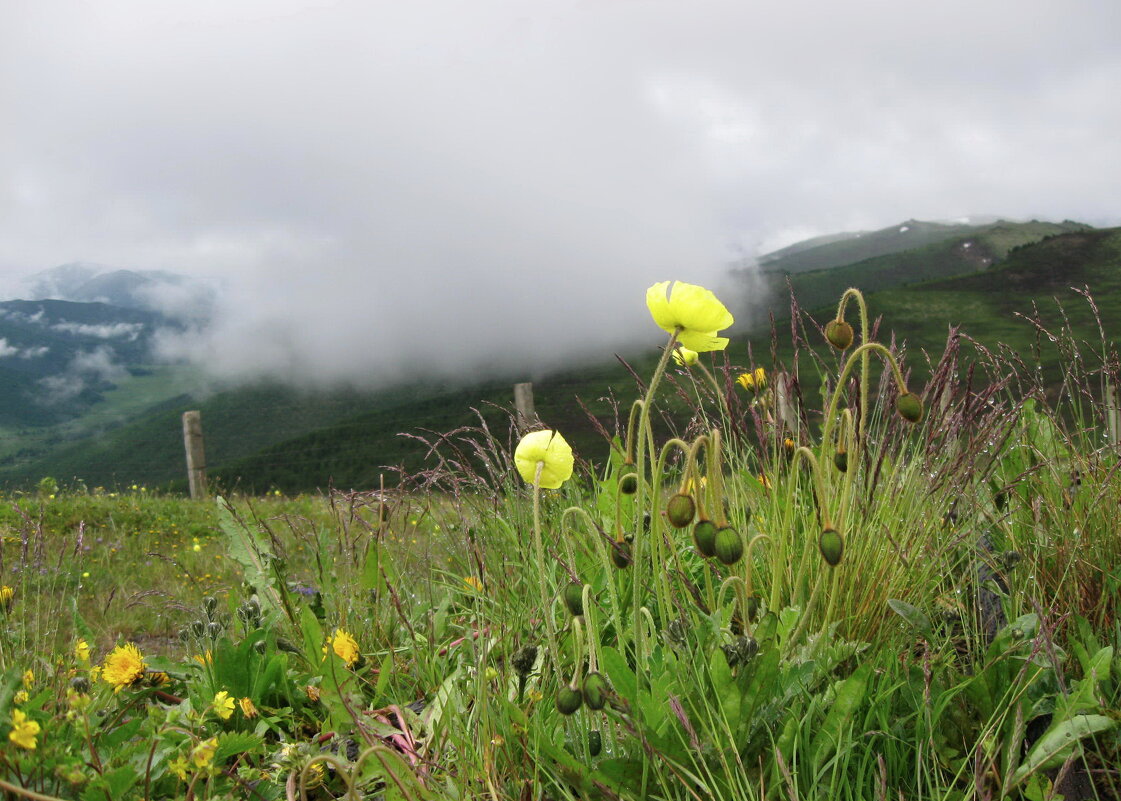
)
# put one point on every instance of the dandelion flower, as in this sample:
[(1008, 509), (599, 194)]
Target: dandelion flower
[(345, 647), (123, 666), (690, 311), (473, 583), (747, 381), (549, 449), (7, 597), (23, 731), (685, 357), (222, 705)]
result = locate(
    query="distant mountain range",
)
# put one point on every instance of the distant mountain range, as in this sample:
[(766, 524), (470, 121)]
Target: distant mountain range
[(81, 398), (170, 294)]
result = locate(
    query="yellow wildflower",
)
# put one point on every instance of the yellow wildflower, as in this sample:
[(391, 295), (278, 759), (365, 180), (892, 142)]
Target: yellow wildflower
[(690, 311), (222, 705), (473, 583), (82, 651), (123, 666), (546, 448), (345, 647), (28, 678), (760, 378), (178, 766), (203, 753), (23, 731), (747, 381), (204, 659), (247, 708), (20, 697), (7, 597)]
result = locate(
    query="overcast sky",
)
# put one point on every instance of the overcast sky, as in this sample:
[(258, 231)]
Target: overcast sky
[(390, 186)]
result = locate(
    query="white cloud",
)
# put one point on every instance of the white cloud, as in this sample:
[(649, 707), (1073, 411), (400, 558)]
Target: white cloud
[(127, 331)]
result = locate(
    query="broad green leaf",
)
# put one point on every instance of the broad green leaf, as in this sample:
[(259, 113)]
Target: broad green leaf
[(1058, 743), (724, 685), (850, 695)]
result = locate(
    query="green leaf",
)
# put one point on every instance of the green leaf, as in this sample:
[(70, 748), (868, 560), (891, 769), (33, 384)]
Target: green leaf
[(235, 743), (850, 695), (912, 614), (724, 686), (111, 785), (114, 737), (622, 677), (1058, 743)]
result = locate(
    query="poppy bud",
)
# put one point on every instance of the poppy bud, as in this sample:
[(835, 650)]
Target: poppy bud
[(595, 690), (680, 510), (839, 333), (621, 554), (569, 700), (524, 659), (628, 484), (595, 742), (729, 545), (841, 460), (831, 545), (574, 598), (909, 406), (704, 535)]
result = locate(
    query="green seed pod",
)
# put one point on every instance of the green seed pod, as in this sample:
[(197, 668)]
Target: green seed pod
[(595, 742), (628, 484), (569, 700), (621, 554), (704, 535), (680, 510), (595, 690), (841, 460), (574, 598), (839, 333), (832, 545), (909, 406), (729, 545)]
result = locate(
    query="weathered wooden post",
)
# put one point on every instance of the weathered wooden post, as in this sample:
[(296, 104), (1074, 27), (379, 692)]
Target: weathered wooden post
[(196, 457), (523, 403)]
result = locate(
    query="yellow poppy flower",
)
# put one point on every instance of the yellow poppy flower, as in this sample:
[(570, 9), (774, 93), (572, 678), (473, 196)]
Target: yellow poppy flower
[(23, 731), (549, 449), (123, 666), (691, 311), (685, 357)]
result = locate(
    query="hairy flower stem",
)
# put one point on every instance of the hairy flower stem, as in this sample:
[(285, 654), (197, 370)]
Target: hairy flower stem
[(801, 454), (546, 607), (601, 550)]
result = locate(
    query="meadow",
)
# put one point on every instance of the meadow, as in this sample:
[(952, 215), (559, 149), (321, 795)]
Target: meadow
[(864, 590)]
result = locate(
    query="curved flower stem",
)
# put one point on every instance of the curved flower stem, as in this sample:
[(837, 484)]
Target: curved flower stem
[(577, 651), (749, 564), (847, 437), (852, 292), (804, 453), (831, 412), (600, 549), (546, 608)]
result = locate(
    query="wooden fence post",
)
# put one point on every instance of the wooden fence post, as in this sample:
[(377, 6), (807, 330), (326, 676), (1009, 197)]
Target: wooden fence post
[(196, 457), (523, 403)]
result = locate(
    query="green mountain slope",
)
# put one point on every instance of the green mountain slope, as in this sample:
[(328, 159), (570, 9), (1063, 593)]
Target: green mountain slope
[(998, 237)]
